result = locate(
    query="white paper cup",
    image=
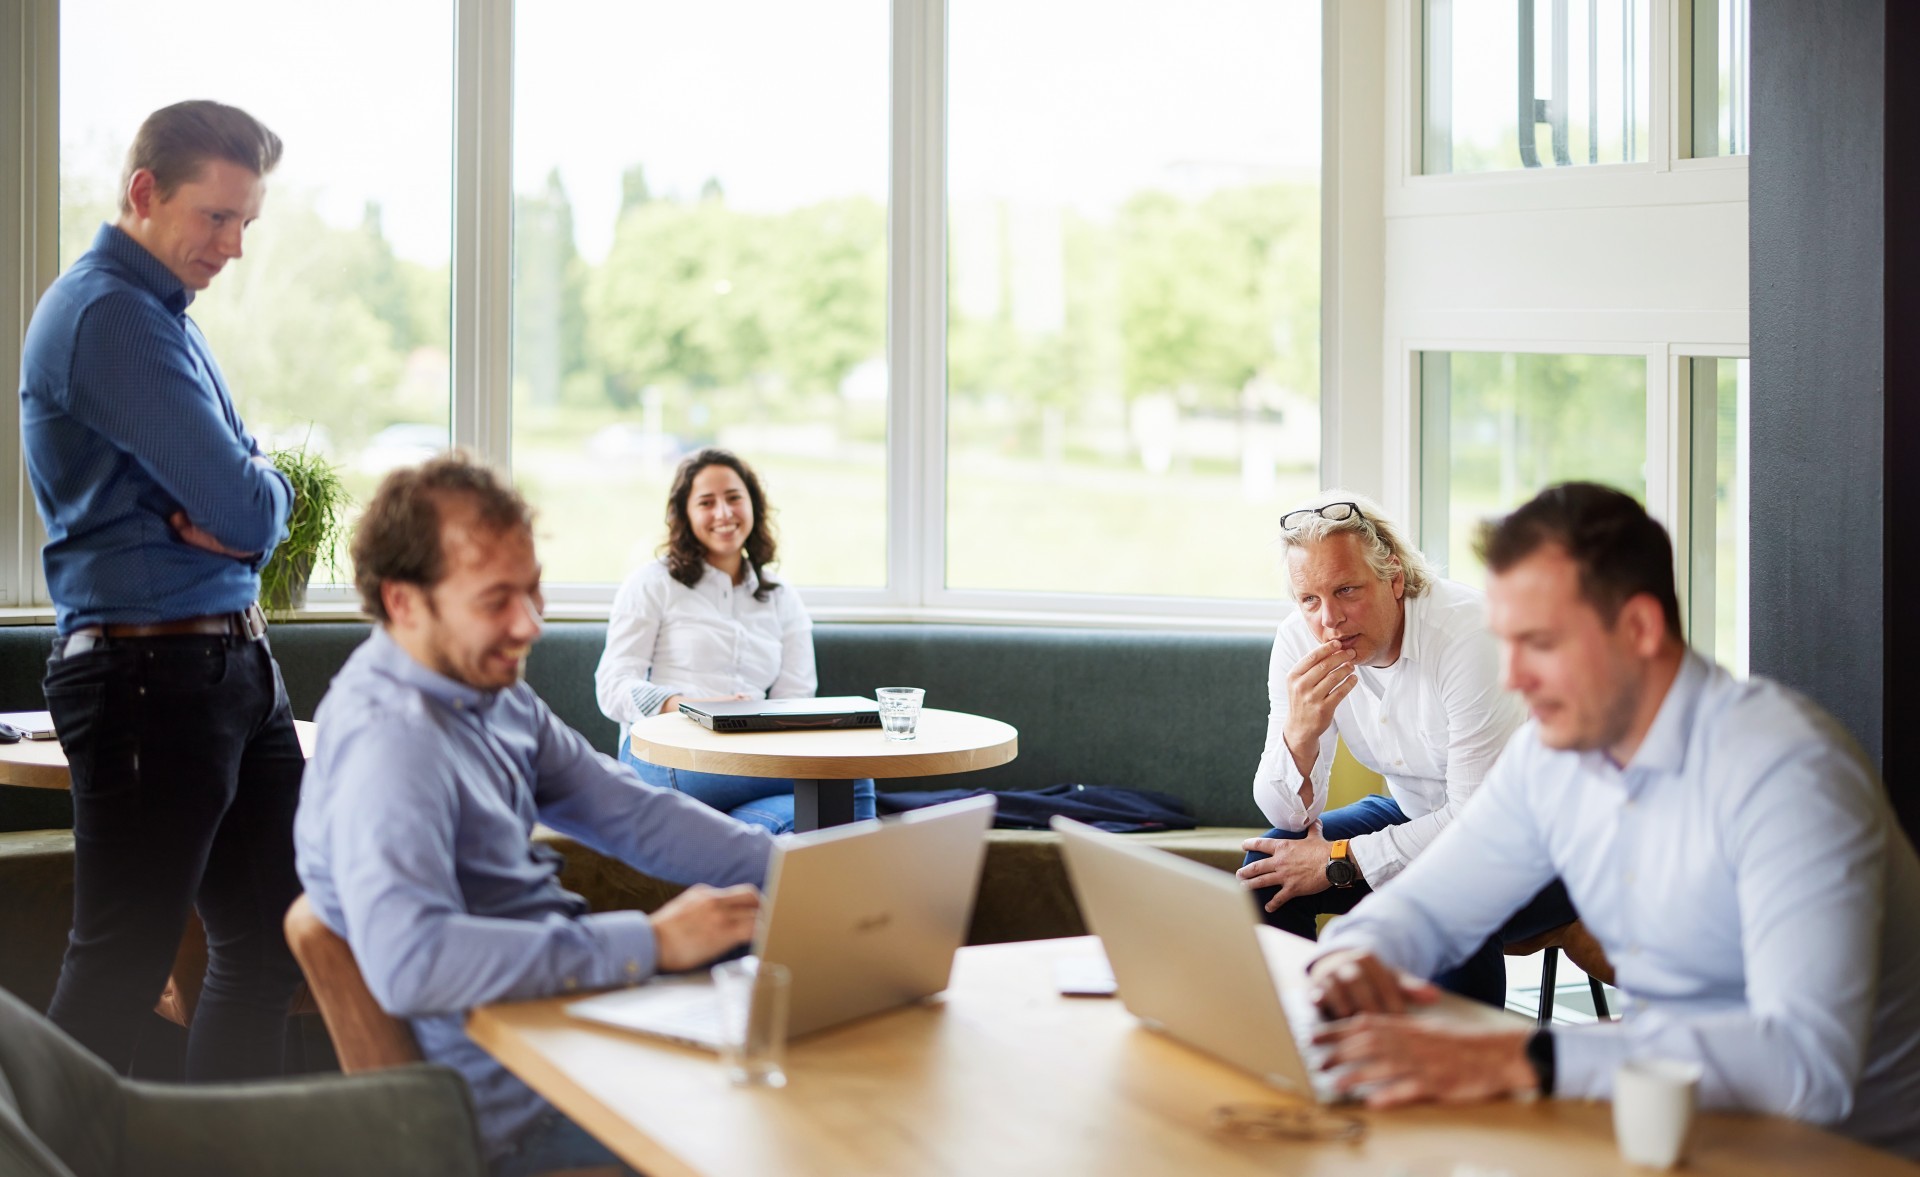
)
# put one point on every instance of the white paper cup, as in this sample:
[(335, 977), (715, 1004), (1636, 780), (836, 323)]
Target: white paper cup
[(1653, 1103)]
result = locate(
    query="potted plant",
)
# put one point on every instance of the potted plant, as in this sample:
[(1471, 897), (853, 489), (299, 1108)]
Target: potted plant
[(320, 502)]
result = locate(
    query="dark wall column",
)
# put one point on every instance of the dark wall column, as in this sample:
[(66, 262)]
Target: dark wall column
[(1900, 746), (1835, 327)]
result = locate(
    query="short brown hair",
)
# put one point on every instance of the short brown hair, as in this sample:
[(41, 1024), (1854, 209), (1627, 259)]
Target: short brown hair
[(398, 536), (1619, 549), (176, 142)]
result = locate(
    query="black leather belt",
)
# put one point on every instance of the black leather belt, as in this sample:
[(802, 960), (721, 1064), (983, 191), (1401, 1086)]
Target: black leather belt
[(249, 623)]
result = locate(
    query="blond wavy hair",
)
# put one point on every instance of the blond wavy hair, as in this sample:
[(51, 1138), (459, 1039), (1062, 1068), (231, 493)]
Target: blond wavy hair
[(1385, 546)]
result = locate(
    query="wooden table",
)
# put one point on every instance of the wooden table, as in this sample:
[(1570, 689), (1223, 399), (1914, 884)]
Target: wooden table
[(42, 764), (1003, 1076), (824, 764)]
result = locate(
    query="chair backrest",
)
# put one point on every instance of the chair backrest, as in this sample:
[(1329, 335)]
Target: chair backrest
[(365, 1037), (60, 1107)]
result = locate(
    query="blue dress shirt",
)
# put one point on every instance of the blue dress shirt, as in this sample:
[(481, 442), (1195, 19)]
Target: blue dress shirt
[(413, 844), (125, 419), (1750, 885)]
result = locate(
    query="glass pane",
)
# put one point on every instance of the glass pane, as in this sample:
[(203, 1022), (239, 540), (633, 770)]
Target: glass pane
[(1717, 622), (332, 330), (702, 261), (1133, 359), (1721, 30), (1535, 84), (1498, 427)]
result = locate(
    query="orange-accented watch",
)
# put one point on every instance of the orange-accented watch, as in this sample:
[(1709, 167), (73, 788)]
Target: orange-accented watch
[(1340, 869)]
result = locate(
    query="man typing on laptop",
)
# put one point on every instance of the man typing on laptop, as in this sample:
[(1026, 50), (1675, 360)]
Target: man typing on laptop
[(434, 761), (1725, 841)]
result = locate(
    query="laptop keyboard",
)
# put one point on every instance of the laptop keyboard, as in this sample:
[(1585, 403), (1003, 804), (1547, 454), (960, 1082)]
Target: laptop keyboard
[(692, 1013), (682, 1010), (1303, 1018)]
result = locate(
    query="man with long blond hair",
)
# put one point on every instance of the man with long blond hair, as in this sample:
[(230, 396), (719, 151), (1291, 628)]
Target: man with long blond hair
[(1397, 661)]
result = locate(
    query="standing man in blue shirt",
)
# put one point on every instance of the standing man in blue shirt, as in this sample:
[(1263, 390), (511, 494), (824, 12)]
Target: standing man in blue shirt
[(160, 511), (435, 760)]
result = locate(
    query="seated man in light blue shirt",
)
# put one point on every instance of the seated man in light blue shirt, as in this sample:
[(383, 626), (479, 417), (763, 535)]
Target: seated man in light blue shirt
[(1725, 841), (434, 761)]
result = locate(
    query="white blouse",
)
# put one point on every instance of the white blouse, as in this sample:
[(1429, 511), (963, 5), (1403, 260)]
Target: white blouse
[(710, 640)]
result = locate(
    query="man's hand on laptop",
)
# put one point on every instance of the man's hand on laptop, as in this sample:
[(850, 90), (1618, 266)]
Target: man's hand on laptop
[(1348, 981), (1391, 1060), (702, 922)]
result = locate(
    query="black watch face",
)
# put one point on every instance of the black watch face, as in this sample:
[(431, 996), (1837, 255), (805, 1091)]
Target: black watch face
[(1340, 872)]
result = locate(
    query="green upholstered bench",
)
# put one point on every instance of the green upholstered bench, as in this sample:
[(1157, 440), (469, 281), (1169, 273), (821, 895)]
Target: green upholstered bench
[(1177, 712)]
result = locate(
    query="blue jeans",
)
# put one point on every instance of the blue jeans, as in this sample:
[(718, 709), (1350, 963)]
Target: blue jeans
[(1483, 975), (760, 801), (553, 1143)]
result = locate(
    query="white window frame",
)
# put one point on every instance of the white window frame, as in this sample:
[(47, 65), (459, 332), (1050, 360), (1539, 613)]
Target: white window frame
[(1421, 210), (480, 408)]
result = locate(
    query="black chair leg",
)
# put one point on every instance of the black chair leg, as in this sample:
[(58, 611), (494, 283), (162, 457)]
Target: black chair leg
[(1549, 968), (1599, 999)]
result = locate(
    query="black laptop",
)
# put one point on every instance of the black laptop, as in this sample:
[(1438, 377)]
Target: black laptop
[(772, 715)]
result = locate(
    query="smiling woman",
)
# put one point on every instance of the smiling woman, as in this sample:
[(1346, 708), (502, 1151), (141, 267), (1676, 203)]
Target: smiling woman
[(707, 622)]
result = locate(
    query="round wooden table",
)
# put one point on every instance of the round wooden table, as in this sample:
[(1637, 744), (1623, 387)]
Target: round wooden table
[(824, 764)]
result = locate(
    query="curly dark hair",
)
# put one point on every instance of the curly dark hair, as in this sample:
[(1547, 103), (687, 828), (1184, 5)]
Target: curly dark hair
[(398, 537), (686, 556)]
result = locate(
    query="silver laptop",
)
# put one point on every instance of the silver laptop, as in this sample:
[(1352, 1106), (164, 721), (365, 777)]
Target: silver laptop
[(865, 916), (1184, 943)]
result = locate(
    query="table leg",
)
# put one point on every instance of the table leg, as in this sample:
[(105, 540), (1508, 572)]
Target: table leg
[(817, 804)]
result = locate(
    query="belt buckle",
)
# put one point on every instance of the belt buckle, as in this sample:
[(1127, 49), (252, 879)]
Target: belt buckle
[(253, 622)]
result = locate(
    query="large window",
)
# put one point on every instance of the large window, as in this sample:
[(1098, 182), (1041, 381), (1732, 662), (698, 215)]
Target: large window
[(1533, 85), (1496, 428), (1133, 364), (1717, 509), (332, 331), (700, 258), (1718, 69)]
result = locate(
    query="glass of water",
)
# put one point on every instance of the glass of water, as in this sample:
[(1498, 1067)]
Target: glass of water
[(753, 996), (900, 711)]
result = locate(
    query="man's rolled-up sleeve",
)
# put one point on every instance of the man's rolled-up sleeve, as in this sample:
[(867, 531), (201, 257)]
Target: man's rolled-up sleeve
[(1277, 781)]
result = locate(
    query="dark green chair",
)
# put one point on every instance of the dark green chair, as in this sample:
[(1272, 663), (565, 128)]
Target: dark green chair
[(64, 1114)]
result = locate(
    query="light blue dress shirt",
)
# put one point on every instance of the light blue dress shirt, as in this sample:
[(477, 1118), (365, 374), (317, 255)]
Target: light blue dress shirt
[(1748, 880), (125, 419), (413, 843)]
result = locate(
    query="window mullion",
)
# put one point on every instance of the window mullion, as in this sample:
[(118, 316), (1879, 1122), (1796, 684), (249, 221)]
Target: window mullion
[(917, 304), (29, 256), (482, 326)]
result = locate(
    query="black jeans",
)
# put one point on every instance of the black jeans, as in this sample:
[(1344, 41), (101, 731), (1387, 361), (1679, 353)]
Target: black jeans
[(1482, 975), (186, 774)]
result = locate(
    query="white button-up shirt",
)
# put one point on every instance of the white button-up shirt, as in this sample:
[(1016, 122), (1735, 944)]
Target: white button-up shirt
[(1431, 724), (707, 641), (1749, 882)]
